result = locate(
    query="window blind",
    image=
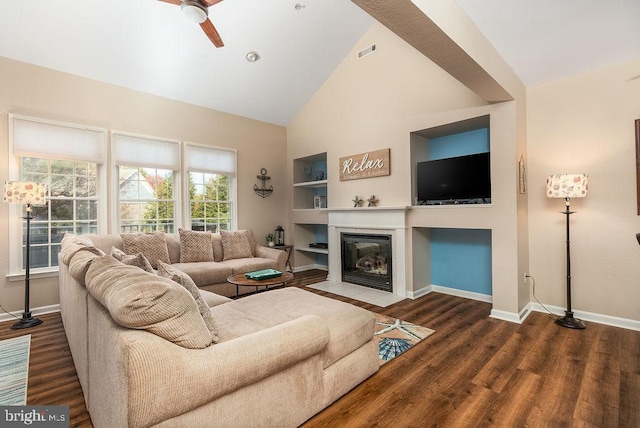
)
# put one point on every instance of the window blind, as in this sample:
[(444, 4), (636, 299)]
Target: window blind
[(148, 152), (210, 160), (43, 139)]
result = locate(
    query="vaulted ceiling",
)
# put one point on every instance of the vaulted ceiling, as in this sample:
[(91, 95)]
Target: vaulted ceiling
[(148, 45)]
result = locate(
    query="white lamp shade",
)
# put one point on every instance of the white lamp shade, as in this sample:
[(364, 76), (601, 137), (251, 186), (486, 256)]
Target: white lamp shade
[(567, 186), (194, 12), (24, 192)]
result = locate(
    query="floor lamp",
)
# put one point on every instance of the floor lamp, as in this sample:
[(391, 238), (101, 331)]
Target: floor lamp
[(567, 186), (29, 194)]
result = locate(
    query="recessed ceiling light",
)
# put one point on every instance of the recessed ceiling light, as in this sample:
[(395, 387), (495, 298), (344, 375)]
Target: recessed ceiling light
[(252, 56)]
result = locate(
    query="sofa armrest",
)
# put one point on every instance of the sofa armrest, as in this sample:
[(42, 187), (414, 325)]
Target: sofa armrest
[(274, 254), (204, 375)]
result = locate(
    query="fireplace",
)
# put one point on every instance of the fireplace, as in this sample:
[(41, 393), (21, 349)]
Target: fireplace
[(366, 260)]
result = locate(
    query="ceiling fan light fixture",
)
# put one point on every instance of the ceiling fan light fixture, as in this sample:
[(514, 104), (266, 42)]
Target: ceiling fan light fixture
[(194, 10), (252, 56)]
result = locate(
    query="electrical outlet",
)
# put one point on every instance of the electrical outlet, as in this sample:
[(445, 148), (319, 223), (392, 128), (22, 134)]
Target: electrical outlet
[(524, 278)]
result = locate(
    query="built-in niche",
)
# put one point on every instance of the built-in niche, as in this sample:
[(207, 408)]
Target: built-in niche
[(451, 164)]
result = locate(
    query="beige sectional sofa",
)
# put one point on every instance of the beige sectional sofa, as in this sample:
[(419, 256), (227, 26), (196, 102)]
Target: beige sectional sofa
[(145, 356)]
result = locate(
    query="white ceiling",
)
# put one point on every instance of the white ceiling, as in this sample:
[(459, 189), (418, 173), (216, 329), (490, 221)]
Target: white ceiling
[(149, 46)]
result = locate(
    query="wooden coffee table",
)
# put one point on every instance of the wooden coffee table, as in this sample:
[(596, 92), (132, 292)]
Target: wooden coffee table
[(240, 280)]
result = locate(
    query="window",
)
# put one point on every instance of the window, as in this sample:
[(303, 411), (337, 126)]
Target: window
[(148, 170), (209, 201), (72, 193), (47, 152), (146, 200), (211, 187)]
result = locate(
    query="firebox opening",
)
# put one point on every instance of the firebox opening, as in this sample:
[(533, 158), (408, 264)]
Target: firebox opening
[(366, 260)]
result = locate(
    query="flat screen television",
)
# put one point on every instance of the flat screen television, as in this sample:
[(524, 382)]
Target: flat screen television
[(462, 179)]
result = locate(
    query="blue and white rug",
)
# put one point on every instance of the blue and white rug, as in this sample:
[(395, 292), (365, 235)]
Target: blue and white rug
[(396, 336), (14, 370)]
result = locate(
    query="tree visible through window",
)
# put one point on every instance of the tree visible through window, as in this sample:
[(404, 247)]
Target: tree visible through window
[(209, 202), (146, 200), (72, 206)]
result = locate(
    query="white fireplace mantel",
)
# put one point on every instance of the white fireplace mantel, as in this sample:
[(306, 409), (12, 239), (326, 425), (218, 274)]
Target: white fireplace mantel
[(371, 220)]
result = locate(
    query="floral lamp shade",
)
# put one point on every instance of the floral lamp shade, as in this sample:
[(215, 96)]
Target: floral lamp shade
[(567, 186), (24, 192)]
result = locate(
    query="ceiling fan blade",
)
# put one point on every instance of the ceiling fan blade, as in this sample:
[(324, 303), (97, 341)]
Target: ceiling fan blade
[(212, 33), (212, 2), (172, 1)]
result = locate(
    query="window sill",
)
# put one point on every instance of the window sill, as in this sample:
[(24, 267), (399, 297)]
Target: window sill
[(33, 275)]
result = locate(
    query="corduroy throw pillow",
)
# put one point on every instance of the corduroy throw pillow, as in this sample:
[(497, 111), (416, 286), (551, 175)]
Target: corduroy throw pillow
[(140, 300), (176, 275)]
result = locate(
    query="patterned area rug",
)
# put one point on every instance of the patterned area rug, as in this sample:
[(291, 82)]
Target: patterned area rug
[(14, 370), (396, 336)]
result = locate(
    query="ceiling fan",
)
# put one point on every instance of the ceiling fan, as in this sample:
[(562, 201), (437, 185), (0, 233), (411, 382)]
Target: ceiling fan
[(197, 11)]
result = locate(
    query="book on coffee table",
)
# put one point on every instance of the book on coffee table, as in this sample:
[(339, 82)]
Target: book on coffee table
[(263, 274)]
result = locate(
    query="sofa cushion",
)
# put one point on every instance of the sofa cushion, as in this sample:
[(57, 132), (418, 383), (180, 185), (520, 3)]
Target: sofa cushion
[(152, 245), (213, 299), (216, 242), (140, 300), (235, 245), (137, 260), (79, 265), (250, 264), (71, 244), (167, 271), (195, 246), (206, 273), (350, 327)]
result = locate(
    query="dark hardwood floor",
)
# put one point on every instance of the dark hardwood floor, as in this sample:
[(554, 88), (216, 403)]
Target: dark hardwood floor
[(474, 371)]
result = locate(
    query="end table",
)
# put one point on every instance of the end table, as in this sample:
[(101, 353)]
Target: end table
[(287, 249)]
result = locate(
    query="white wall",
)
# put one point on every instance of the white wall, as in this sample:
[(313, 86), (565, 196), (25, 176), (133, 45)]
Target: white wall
[(586, 124)]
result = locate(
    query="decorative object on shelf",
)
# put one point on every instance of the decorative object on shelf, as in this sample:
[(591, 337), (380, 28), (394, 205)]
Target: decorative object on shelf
[(319, 201), (357, 202), (270, 238), (279, 235), (263, 191), (307, 171), (522, 174), (567, 186), (319, 175), (372, 201), (29, 194), (365, 165)]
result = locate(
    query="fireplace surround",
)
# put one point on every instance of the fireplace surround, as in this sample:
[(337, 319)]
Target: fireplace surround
[(389, 221)]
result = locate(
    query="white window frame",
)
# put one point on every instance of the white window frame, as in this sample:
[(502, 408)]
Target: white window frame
[(233, 187), (119, 159), (15, 211)]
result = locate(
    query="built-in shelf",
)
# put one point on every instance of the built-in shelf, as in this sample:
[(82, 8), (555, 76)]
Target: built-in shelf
[(311, 184), (313, 250)]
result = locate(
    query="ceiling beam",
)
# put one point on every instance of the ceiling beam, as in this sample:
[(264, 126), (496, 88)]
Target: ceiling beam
[(410, 23)]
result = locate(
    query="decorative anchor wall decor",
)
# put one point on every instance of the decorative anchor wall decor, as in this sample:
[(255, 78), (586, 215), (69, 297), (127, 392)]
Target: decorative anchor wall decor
[(263, 191)]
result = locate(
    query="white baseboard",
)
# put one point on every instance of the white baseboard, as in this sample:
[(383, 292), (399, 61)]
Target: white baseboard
[(34, 311), (310, 267), (517, 318), (590, 316)]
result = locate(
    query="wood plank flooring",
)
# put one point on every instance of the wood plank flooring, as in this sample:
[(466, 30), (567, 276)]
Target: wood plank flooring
[(474, 371)]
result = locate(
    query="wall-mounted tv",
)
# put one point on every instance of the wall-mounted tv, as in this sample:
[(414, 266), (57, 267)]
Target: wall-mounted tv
[(462, 179)]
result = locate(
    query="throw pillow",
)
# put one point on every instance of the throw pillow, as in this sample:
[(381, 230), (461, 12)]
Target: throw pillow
[(138, 260), (139, 300), (235, 245), (152, 245), (195, 246), (176, 275)]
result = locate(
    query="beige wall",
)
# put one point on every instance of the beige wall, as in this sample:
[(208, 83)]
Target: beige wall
[(376, 102), (586, 124), (40, 92)]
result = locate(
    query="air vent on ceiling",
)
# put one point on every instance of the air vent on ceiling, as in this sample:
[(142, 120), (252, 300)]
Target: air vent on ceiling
[(366, 51)]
